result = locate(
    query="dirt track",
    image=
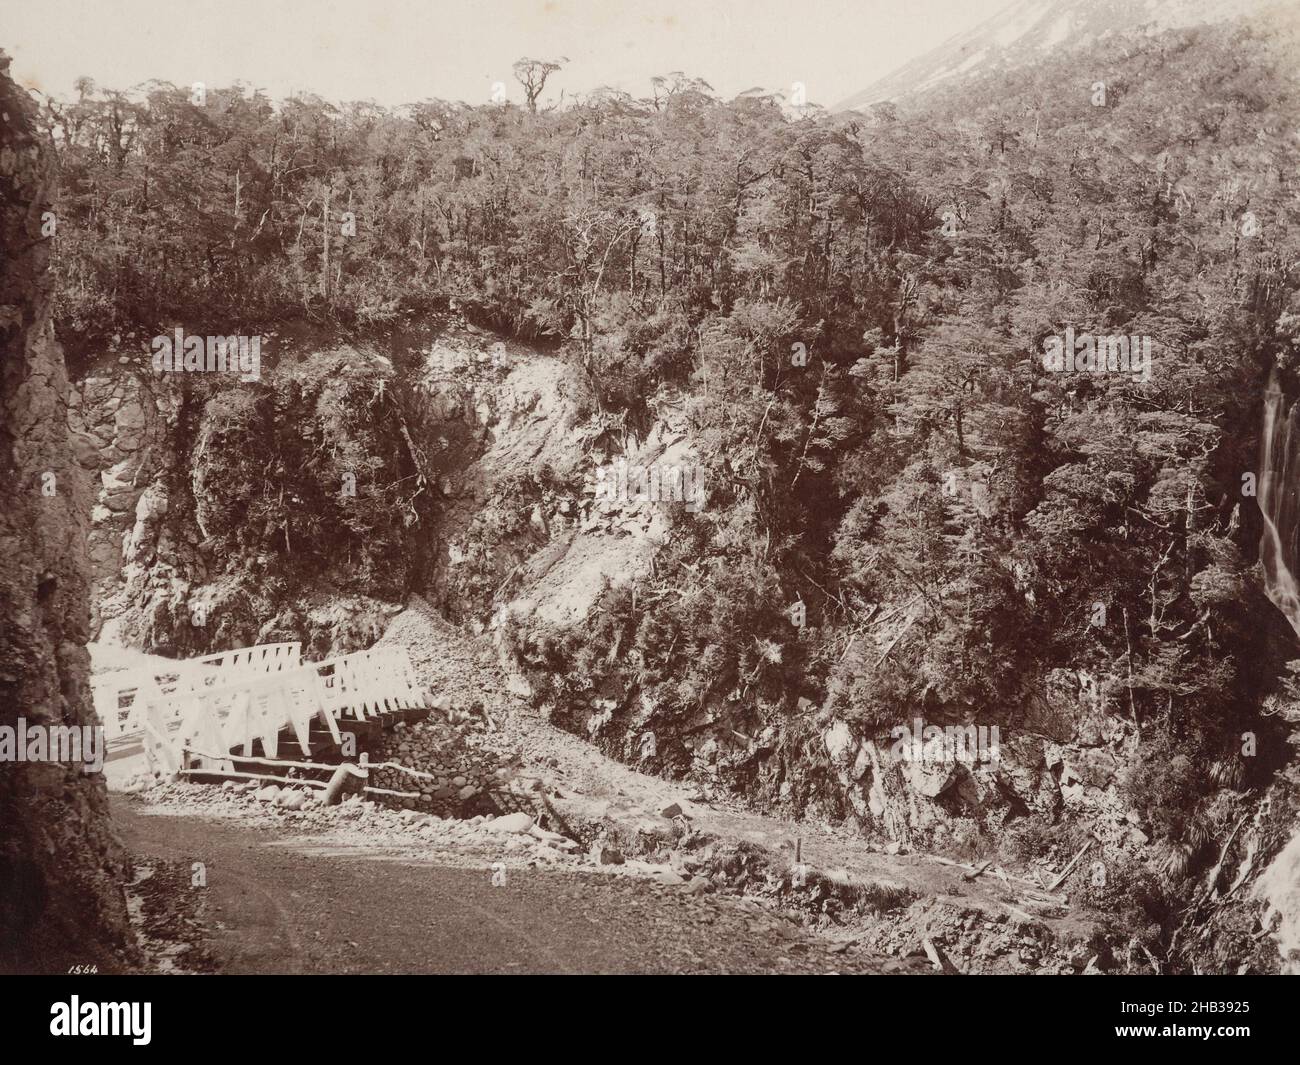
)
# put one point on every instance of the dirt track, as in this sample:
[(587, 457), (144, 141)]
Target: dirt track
[(274, 907)]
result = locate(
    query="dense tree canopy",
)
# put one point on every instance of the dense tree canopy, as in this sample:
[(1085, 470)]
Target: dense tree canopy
[(855, 308)]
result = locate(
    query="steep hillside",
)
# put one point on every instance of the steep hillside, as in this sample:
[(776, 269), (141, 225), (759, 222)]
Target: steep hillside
[(905, 511), (1026, 31)]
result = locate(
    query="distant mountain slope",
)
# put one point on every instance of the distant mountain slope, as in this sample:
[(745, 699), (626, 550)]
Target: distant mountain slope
[(1027, 29)]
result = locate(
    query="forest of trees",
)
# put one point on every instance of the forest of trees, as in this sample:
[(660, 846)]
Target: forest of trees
[(919, 458)]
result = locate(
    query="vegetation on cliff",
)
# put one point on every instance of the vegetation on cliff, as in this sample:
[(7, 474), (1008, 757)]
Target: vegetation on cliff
[(856, 308)]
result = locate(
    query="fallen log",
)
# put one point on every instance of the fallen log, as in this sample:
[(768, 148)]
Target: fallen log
[(939, 959), (1070, 868), (1212, 878), (334, 789), (968, 866)]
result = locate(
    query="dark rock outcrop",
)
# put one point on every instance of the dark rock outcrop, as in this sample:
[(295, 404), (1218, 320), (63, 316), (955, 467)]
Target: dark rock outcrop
[(62, 869)]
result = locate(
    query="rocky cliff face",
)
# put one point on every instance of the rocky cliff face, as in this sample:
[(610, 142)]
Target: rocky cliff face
[(515, 543), (61, 867), (227, 513), (533, 554)]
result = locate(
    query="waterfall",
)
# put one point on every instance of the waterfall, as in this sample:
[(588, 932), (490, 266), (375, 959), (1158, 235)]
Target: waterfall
[(1279, 503), (1279, 887), (1279, 500)]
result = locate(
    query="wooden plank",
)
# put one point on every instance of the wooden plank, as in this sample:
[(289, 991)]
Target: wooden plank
[(1070, 868), (234, 774)]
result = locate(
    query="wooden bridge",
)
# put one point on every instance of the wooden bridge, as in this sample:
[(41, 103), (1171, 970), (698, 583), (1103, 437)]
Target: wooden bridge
[(224, 705)]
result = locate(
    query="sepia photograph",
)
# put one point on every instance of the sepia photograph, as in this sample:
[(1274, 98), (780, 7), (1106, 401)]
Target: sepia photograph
[(657, 487)]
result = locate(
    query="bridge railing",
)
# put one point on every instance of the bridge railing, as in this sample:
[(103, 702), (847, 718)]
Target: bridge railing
[(119, 697), (232, 706), (264, 658), (370, 682)]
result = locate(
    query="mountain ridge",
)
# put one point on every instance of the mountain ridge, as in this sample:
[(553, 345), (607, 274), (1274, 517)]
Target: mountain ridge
[(1026, 30)]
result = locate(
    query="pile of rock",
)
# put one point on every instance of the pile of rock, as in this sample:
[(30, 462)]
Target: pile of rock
[(974, 941), (289, 798), (462, 773), (514, 839)]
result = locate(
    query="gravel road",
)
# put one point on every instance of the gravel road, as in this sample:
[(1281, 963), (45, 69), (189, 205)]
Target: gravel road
[(271, 905)]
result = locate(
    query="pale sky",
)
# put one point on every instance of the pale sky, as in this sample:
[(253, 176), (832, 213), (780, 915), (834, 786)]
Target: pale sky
[(399, 51)]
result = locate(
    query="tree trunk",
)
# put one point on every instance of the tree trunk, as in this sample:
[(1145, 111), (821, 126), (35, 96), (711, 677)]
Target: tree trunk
[(325, 253)]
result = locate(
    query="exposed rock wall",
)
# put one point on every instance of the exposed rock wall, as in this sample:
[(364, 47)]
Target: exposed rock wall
[(526, 540), (61, 867), (228, 513), (120, 428)]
